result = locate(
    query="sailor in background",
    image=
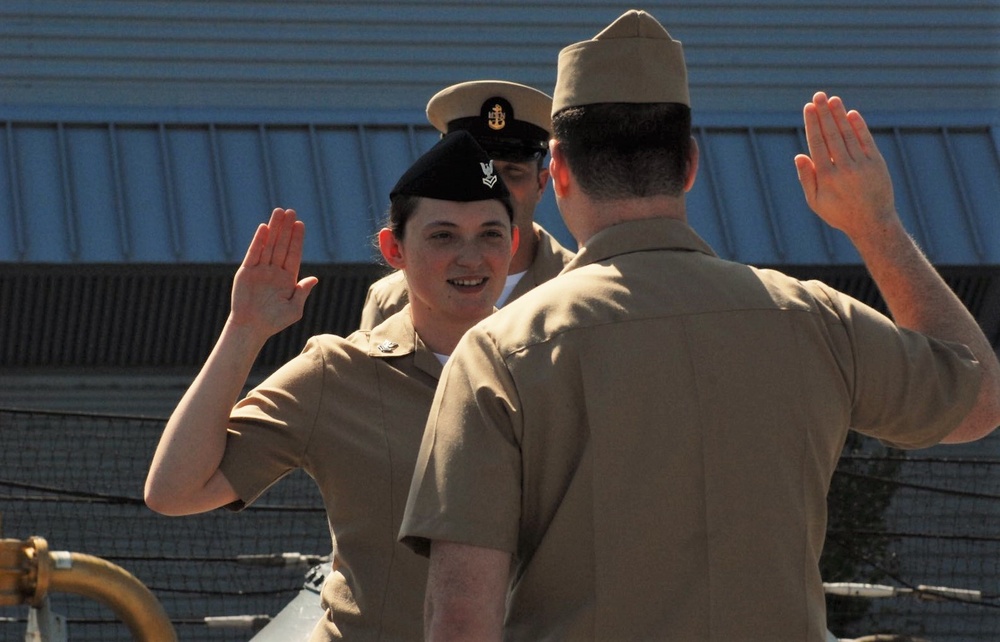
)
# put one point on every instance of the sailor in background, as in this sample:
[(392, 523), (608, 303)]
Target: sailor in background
[(513, 123)]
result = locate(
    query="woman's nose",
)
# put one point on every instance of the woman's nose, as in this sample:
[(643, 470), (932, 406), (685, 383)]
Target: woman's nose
[(470, 254)]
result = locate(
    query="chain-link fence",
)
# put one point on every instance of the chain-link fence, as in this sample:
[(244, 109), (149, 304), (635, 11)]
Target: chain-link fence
[(896, 520)]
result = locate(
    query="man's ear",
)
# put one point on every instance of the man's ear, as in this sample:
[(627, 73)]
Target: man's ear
[(392, 249), (515, 239), (558, 169), (692, 165)]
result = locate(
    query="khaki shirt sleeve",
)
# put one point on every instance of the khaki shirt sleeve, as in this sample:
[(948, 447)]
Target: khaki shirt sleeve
[(910, 390), (467, 482), (270, 428), (371, 313), (385, 297)]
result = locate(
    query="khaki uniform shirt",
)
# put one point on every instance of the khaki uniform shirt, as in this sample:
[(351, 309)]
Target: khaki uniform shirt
[(388, 295), (351, 415), (653, 433)]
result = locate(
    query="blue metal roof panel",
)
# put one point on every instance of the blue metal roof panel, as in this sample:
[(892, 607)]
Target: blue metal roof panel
[(187, 192), (748, 203)]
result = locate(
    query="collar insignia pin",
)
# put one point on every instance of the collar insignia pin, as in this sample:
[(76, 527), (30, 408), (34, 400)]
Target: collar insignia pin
[(387, 346)]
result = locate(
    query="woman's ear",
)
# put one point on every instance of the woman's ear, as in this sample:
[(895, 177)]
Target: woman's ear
[(515, 239), (392, 249)]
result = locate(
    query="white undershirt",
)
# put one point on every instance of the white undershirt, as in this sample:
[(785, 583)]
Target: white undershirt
[(508, 287)]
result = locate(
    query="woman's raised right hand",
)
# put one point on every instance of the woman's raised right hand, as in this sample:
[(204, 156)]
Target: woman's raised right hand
[(267, 294)]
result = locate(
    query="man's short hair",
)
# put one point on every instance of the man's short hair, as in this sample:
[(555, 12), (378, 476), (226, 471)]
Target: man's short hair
[(626, 150)]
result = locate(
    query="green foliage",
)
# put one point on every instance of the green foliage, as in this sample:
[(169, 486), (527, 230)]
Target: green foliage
[(857, 543)]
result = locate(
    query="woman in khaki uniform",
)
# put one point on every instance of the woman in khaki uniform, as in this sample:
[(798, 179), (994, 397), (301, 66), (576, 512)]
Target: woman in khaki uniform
[(350, 411)]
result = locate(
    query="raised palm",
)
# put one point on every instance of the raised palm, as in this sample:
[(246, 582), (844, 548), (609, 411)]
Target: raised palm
[(844, 177), (267, 294)]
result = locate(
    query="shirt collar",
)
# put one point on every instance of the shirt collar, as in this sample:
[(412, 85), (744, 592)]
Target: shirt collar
[(640, 236), (396, 337)]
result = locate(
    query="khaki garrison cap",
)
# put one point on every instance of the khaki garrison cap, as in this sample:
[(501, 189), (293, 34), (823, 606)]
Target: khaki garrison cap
[(634, 60), (511, 121)]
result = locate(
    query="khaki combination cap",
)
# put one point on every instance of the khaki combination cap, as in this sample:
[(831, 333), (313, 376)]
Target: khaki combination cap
[(510, 120), (633, 60)]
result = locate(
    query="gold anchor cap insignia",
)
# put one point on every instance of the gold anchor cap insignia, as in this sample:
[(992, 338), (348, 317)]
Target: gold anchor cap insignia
[(496, 118)]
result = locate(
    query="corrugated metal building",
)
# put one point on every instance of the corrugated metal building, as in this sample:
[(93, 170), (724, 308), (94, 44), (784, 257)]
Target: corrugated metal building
[(142, 140)]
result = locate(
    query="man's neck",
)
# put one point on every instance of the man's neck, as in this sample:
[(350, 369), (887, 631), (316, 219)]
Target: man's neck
[(595, 216), (525, 254)]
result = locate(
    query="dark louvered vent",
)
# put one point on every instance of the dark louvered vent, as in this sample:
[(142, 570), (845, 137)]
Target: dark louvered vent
[(150, 315), (159, 316)]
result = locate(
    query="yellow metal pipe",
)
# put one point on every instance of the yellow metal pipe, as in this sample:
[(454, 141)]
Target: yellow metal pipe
[(29, 569), (17, 574)]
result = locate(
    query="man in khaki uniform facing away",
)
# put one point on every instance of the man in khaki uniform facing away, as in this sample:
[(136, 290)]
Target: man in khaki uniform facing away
[(513, 123), (627, 450)]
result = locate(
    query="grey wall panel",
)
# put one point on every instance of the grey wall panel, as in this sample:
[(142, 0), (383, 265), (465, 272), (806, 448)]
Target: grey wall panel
[(743, 54)]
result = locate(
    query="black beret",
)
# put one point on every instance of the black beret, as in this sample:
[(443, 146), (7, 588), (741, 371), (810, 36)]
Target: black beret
[(455, 169)]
